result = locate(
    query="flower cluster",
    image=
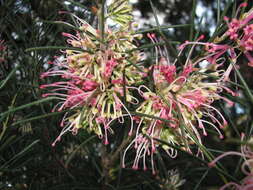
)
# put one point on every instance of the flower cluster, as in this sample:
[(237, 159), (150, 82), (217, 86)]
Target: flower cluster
[(240, 32), (182, 101), (99, 71), (240, 35)]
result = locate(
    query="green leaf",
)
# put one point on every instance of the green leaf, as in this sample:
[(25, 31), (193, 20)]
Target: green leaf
[(37, 117), (192, 20), (247, 89), (64, 24), (120, 11), (168, 43), (151, 116), (3, 82), (152, 45), (21, 153), (201, 179), (25, 106), (57, 48), (161, 27)]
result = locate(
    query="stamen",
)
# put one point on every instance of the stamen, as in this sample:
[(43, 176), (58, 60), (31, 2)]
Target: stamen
[(212, 164)]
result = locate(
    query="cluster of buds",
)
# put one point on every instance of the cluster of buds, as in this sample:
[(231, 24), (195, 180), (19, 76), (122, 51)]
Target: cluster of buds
[(174, 180), (181, 105), (247, 167), (99, 71), (241, 40), (240, 32)]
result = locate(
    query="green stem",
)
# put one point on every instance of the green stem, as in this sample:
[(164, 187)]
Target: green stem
[(57, 48), (152, 45), (161, 27), (3, 82), (151, 116), (192, 20), (168, 43), (247, 89), (102, 20), (2, 115)]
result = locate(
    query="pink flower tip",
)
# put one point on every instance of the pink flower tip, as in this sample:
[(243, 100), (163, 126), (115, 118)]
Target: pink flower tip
[(134, 167), (42, 86), (42, 76), (231, 104), (60, 109), (226, 18), (44, 95), (151, 35), (65, 34), (202, 37), (182, 46), (62, 12), (221, 137), (250, 64), (106, 142), (144, 74), (211, 164), (245, 4)]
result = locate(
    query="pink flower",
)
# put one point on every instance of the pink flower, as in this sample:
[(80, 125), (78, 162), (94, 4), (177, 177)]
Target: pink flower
[(193, 99), (250, 58), (89, 85), (187, 70), (246, 42), (110, 64), (233, 27), (217, 51), (91, 80), (168, 71), (182, 96)]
